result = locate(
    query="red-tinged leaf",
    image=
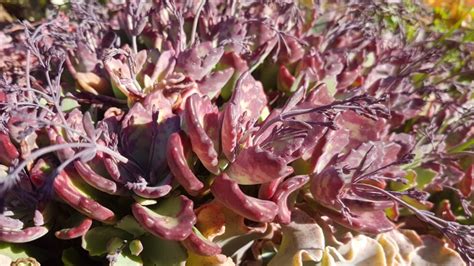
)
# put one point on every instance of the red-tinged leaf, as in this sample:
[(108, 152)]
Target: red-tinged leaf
[(361, 129), (40, 171), (255, 165), (267, 190), (198, 61), (95, 180), (285, 79), (467, 183), (369, 222), (250, 98), (327, 187), (163, 66), (213, 84), (334, 143), (283, 192), (200, 122), (22, 236), (66, 153), (178, 156), (8, 150), (230, 131), (153, 192), (198, 244), (227, 192), (66, 190), (172, 219), (444, 211), (74, 232)]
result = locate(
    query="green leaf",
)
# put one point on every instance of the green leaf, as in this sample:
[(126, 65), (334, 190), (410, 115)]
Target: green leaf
[(18, 251), (157, 251), (72, 257), (127, 259), (96, 239), (130, 225), (411, 182), (463, 146), (424, 177), (68, 104)]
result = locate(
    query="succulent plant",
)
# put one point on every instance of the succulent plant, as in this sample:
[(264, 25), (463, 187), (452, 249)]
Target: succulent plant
[(229, 132)]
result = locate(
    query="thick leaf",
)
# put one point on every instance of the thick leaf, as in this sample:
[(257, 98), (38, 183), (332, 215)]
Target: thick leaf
[(227, 191), (9, 151), (255, 165), (201, 124), (303, 240), (284, 190), (361, 250), (77, 231), (95, 180), (172, 219), (199, 61), (160, 252), (65, 188), (24, 235), (178, 155), (198, 244), (212, 85), (95, 240)]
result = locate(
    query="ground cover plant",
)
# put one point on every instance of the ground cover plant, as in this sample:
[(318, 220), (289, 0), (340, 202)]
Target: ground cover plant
[(237, 133)]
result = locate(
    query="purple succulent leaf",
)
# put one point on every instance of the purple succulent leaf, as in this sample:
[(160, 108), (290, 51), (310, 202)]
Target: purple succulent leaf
[(163, 66), (227, 192), (198, 244), (255, 165), (333, 143), (198, 61), (230, 131), (172, 220), (22, 236), (369, 222), (74, 232), (95, 180), (200, 122), (327, 187), (10, 224), (65, 189), (283, 192), (178, 155), (212, 84)]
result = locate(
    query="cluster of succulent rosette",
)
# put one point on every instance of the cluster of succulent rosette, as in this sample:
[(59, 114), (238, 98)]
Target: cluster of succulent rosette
[(236, 132)]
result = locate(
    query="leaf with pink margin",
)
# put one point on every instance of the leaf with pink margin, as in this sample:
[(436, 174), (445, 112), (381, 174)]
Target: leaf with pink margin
[(95, 180), (227, 192), (303, 240), (74, 232), (66, 188), (335, 142), (230, 133), (327, 187), (267, 190), (200, 245), (201, 123), (198, 61), (282, 194), (24, 235), (255, 165), (361, 129), (9, 151), (213, 84), (172, 219), (153, 192), (10, 224), (178, 153)]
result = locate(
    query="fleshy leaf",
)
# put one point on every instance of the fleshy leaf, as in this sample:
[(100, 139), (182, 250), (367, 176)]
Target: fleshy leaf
[(157, 251), (303, 240), (361, 250), (79, 230), (95, 180), (9, 151), (24, 235), (283, 192), (178, 155), (199, 61), (95, 240), (227, 191), (65, 188), (255, 165), (172, 219), (200, 122), (198, 244)]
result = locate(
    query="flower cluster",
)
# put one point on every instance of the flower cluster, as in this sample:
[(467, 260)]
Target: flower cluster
[(236, 132)]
